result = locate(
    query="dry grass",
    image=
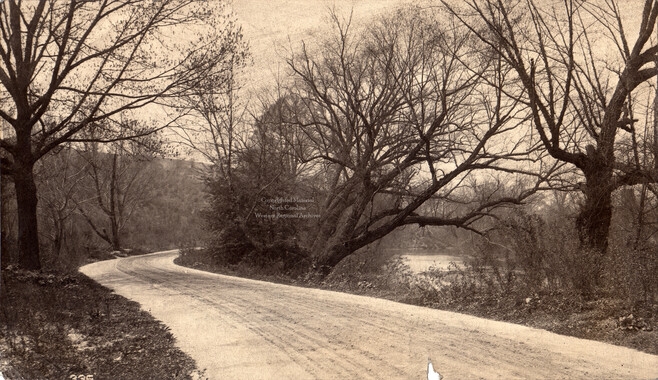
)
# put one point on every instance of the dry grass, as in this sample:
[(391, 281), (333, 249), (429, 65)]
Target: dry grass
[(55, 326)]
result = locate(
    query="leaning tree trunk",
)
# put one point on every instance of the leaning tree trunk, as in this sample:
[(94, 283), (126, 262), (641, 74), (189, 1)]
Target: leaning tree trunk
[(330, 256), (326, 227), (26, 200), (341, 244), (332, 246)]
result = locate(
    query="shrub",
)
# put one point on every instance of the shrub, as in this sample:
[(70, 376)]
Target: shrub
[(630, 274), (230, 245), (531, 253), (527, 255)]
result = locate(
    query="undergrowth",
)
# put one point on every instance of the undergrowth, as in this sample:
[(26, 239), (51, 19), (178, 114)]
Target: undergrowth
[(492, 285), (53, 326)]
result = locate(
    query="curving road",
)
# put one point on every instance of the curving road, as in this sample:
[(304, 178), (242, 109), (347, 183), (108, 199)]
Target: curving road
[(244, 329)]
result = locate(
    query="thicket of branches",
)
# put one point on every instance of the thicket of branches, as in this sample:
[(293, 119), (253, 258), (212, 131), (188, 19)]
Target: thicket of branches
[(74, 69), (375, 123), (457, 116), (464, 115)]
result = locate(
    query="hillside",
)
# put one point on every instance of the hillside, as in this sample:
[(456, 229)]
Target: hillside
[(172, 214), (166, 210)]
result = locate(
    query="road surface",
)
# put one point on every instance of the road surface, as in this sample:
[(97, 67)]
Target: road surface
[(243, 329)]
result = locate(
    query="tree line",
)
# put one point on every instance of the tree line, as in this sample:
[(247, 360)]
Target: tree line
[(102, 202), (72, 71), (440, 114)]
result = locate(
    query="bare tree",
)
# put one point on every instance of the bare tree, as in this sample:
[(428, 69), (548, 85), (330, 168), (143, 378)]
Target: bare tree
[(581, 100), (115, 188), (214, 125), (65, 66), (395, 117), (59, 177)]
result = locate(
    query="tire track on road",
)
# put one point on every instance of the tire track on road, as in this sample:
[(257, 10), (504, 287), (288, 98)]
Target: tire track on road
[(472, 352), (265, 330), (325, 355)]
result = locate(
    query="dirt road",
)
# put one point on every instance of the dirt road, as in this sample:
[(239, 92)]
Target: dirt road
[(243, 329)]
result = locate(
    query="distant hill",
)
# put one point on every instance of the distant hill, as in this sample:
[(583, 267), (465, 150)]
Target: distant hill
[(169, 215), (173, 213)]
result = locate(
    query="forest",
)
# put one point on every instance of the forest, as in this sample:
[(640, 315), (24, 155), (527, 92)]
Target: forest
[(98, 205), (487, 119)]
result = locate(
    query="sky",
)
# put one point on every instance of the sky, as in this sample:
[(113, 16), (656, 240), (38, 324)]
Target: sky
[(273, 26)]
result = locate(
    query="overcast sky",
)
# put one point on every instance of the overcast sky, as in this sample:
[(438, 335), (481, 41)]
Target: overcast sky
[(269, 24), (273, 26)]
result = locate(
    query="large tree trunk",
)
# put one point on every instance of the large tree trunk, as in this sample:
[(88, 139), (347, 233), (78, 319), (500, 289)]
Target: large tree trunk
[(331, 244), (28, 236), (342, 243), (334, 207), (594, 219), (593, 224), (327, 227), (330, 256)]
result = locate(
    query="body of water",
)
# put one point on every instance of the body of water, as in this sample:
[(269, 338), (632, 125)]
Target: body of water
[(421, 263)]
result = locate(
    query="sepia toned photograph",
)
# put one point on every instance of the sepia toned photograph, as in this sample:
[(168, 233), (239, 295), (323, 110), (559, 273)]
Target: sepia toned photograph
[(329, 189)]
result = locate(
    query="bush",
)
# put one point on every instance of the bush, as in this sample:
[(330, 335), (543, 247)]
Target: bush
[(630, 274), (230, 245), (527, 256), (530, 253)]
